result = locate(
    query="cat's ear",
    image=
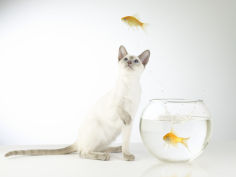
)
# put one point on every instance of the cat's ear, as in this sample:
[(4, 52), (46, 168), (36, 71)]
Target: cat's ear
[(144, 57), (122, 52)]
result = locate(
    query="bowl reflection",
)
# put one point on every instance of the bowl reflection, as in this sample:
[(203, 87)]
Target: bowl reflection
[(175, 170)]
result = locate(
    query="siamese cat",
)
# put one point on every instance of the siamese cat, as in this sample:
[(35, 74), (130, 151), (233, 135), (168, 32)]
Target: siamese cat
[(110, 116)]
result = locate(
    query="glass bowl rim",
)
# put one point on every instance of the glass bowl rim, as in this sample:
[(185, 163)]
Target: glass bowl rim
[(176, 100)]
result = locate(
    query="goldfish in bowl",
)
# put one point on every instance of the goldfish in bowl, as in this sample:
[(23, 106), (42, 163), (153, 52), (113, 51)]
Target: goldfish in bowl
[(175, 130)]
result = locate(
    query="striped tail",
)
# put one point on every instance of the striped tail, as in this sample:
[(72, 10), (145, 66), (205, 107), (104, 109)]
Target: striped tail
[(66, 150)]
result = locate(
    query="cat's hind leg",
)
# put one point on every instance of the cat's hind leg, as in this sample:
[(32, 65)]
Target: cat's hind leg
[(115, 149), (96, 155)]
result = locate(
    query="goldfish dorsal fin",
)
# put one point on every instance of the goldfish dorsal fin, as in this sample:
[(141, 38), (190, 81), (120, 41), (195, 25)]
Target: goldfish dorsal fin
[(172, 130), (136, 15)]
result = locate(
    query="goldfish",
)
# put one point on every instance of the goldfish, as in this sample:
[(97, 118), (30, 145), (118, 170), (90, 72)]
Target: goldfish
[(172, 139), (134, 21)]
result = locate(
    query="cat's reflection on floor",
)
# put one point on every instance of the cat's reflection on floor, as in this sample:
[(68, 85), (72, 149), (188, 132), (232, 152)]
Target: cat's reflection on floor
[(174, 170)]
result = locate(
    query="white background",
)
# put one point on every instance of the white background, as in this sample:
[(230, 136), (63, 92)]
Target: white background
[(57, 58)]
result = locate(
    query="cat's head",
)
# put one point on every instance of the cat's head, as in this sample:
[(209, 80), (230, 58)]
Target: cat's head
[(132, 64)]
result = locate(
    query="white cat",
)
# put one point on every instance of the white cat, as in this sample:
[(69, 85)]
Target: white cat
[(111, 116)]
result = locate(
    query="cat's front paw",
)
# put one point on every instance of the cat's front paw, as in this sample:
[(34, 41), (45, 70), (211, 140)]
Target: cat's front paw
[(106, 157), (128, 157), (127, 119)]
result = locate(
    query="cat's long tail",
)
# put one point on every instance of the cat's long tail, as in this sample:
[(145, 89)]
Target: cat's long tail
[(65, 150)]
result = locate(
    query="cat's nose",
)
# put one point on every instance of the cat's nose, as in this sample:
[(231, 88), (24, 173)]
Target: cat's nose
[(129, 62)]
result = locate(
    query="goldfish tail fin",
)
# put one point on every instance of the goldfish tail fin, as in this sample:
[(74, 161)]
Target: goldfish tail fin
[(184, 142), (144, 27)]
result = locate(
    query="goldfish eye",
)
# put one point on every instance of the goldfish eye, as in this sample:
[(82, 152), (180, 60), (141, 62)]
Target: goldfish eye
[(136, 61), (125, 59)]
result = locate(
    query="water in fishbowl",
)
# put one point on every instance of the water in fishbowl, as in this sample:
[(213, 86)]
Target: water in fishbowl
[(190, 136)]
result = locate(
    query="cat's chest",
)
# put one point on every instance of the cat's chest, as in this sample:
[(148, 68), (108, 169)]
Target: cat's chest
[(129, 92), (128, 98)]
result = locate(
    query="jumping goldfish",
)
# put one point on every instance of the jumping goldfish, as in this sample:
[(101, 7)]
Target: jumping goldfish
[(133, 21), (172, 139)]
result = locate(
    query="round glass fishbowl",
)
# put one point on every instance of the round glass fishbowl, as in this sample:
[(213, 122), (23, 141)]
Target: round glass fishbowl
[(175, 130)]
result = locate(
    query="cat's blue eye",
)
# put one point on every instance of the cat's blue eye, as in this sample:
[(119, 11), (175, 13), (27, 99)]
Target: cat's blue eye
[(125, 59), (136, 61)]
